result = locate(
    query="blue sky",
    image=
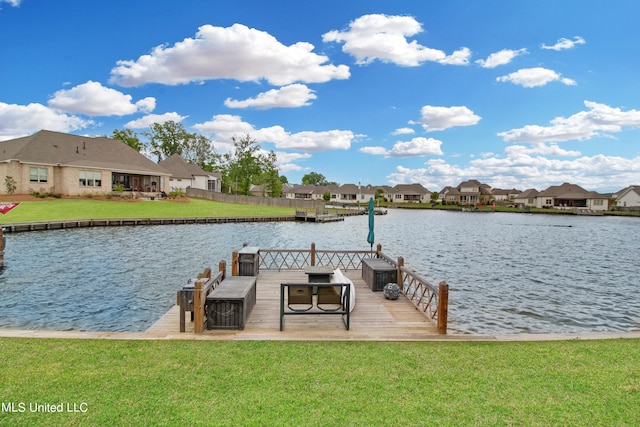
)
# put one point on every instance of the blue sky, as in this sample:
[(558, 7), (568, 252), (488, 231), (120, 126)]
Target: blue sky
[(515, 94)]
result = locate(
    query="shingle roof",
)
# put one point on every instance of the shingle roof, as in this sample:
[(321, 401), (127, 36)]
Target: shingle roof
[(61, 149), (183, 169)]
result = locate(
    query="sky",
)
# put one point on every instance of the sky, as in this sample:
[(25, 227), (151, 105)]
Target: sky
[(515, 94)]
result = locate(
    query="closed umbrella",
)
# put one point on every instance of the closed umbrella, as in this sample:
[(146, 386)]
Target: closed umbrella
[(370, 237)]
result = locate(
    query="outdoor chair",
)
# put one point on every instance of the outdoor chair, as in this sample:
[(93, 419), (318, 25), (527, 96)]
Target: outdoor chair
[(330, 296), (300, 296)]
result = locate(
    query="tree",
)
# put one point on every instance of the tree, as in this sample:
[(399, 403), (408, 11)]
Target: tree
[(314, 178), (129, 137), (10, 184), (243, 165), (167, 139), (271, 178)]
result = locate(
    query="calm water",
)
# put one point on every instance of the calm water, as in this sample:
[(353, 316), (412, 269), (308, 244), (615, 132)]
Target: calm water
[(508, 273)]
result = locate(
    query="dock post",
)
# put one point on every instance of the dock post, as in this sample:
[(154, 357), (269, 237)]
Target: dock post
[(313, 254), (198, 307), (1, 248), (400, 265), (234, 263), (378, 250), (222, 267), (443, 306)]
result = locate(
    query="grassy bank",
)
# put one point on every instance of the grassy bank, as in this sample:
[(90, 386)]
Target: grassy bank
[(281, 383), (63, 209)]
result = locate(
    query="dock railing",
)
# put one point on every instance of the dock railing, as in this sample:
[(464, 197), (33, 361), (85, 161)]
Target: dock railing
[(430, 300)]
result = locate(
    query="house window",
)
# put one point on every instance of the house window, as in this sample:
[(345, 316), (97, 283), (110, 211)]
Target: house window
[(38, 174), (89, 179), (598, 202), (548, 202), (398, 196), (211, 185)]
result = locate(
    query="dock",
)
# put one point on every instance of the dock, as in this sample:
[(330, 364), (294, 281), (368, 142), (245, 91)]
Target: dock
[(374, 318), (318, 216)]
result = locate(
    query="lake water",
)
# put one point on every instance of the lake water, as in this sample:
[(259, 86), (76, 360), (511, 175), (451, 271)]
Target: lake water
[(508, 273)]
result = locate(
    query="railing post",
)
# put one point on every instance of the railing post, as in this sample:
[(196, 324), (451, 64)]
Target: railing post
[(198, 307), (400, 265), (234, 263), (378, 250), (443, 307), (313, 254), (222, 267)]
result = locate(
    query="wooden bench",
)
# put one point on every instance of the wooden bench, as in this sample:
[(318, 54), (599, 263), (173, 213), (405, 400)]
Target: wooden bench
[(231, 303), (200, 287), (332, 298)]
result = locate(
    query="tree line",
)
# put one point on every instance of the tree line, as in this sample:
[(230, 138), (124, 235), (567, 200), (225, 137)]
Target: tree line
[(245, 166)]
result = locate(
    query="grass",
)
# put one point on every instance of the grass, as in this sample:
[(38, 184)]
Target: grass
[(305, 383), (65, 209)]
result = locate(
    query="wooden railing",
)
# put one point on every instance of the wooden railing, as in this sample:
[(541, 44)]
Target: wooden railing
[(432, 301)]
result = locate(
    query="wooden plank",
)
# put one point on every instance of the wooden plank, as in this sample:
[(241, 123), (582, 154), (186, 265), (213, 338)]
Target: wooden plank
[(374, 318)]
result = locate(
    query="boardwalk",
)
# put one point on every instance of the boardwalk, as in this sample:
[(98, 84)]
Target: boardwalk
[(374, 318)]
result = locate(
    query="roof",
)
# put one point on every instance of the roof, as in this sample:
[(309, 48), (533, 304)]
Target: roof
[(183, 169), (410, 189), (570, 192), (531, 193), (627, 190), (61, 149)]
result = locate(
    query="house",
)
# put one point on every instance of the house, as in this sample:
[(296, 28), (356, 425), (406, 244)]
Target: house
[(467, 192), (571, 196), (408, 193), (307, 192), (185, 175), (503, 195), (351, 193), (628, 197), (527, 198), (72, 165)]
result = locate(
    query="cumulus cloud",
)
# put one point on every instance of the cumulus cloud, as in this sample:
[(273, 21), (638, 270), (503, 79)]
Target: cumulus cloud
[(415, 148), (532, 77), (384, 38), (223, 127), (93, 99), (21, 120), (148, 120), (14, 3), (236, 52), (600, 119), (440, 118), (503, 57), (521, 169), (291, 96), (403, 131), (564, 43)]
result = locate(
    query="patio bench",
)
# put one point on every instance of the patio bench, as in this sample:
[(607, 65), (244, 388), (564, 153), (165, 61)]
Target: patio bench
[(188, 301), (229, 305)]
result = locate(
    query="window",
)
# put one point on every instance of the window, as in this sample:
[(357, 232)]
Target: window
[(89, 179), (548, 202), (598, 202), (38, 174)]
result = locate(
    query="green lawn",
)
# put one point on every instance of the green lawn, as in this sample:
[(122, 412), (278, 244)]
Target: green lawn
[(61, 209), (334, 383)]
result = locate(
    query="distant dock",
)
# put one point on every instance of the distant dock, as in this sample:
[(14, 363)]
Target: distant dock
[(318, 216)]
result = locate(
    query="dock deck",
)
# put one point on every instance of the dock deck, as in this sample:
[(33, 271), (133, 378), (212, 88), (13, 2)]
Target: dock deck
[(374, 318)]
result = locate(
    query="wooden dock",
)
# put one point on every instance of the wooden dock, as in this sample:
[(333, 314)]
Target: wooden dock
[(374, 318), (318, 216)]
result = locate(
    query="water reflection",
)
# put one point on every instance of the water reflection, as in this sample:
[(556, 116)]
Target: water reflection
[(507, 272)]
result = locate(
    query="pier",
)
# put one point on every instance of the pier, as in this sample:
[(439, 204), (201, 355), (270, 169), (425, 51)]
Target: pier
[(418, 314)]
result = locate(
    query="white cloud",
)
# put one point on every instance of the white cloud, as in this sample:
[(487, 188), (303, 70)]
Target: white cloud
[(146, 121), (441, 118), (224, 126), (417, 147), (21, 120), (291, 96), (93, 99), (14, 3), (503, 57), (403, 131), (236, 52), (532, 77), (599, 120), (520, 169), (384, 37), (564, 43)]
